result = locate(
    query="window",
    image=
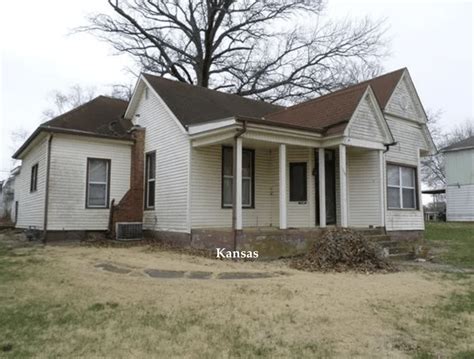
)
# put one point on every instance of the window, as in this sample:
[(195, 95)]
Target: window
[(248, 177), (298, 187), (401, 187), (34, 178), (98, 183), (150, 165)]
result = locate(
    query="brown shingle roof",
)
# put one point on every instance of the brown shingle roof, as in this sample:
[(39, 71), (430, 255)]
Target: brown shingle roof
[(333, 111), (195, 104), (100, 117)]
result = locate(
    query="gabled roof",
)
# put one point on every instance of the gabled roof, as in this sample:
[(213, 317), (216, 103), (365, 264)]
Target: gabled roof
[(100, 117), (461, 145), (195, 104), (333, 111)]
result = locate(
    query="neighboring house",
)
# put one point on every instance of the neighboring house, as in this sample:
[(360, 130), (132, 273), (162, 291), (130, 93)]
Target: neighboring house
[(459, 164), (350, 158), (7, 189)]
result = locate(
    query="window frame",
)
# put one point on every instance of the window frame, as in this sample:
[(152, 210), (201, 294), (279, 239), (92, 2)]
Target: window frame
[(34, 178), (252, 177), (400, 187), (147, 181), (292, 165), (107, 183)]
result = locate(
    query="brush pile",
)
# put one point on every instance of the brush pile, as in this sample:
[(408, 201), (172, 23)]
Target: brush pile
[(341, 250)]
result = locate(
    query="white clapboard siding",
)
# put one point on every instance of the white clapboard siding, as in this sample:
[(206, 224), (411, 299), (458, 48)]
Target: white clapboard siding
[(68, 179), (460, 167), (364, 124), (207, 211), (31, 204), (410, 140), (363, 170), (460, 203), (403, 101), (172, 148)]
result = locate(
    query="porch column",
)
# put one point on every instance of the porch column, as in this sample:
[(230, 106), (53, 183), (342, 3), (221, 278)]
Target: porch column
[(382, 188), (237, 205), (322, 188), (282, 171), (343, 184)]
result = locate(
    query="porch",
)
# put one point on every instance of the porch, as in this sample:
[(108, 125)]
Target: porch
[(286, 179)]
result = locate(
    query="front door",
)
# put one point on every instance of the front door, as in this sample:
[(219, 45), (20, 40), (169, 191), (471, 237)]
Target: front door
[(330, 169)]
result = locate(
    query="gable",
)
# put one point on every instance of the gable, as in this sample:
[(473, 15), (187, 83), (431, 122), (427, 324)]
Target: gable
[(367, 122), (404, 101)]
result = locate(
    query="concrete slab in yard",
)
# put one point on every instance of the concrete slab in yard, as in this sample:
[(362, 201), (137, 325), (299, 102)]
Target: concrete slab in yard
[(157, 273), (199, 275), (244, 275), (111, 268)]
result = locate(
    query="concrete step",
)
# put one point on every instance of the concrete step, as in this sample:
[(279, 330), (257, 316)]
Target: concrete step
[(378, 238), (370, 231)]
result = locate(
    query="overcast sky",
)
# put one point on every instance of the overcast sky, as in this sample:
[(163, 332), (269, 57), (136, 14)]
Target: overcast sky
[(434, 39)]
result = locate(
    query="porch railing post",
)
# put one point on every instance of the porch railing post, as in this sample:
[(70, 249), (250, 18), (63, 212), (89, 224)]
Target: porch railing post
[(322, 188), (282, 187), (382, 188), (343, 184), (238, 183)]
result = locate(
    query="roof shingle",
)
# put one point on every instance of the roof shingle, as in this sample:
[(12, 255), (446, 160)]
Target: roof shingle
[(196, 104)]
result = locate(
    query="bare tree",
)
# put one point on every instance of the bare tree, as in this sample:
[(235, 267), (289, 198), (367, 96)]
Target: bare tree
[(261, 49), (63, 101), (433, 167)]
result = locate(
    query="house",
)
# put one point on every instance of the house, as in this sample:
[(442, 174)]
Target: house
[(7, 188), (165, 162), (459, 164)]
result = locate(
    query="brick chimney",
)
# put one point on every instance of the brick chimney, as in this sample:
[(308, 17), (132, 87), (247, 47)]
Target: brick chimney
[(130, 207)]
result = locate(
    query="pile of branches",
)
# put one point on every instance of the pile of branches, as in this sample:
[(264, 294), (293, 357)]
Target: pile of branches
[(341, 250)]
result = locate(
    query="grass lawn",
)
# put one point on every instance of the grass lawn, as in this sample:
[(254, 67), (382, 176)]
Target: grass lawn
[(55, 302), (455, 240)]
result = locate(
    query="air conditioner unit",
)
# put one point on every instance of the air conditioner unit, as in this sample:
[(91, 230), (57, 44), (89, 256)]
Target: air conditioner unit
[(129, 231)]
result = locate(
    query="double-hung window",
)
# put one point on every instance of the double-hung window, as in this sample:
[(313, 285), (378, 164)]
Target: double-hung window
[(98, 183), (401, 187), (34, 178), (150, 179), (248, 177)]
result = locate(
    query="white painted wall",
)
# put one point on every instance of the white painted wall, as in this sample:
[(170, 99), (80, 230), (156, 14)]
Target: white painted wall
[(31, 204), (460, 203), (363, 185), (460, 188), (207, 211), (410, 140), (173, 149), (364, 124), (67, 185)]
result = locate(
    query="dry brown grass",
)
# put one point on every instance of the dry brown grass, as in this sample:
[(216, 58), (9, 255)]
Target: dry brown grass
[(72, 308)]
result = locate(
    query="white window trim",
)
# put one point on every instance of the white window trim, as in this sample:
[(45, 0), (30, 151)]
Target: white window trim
[(401, 187), (149, 179), (89, 182), (249, 178)]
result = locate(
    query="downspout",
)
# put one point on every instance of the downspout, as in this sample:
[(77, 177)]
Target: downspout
[(234, 185), (46, 192), (388, 145)]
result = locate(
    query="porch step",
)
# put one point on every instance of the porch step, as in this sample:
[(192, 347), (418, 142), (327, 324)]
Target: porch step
[(380, 239), (370, 231)]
